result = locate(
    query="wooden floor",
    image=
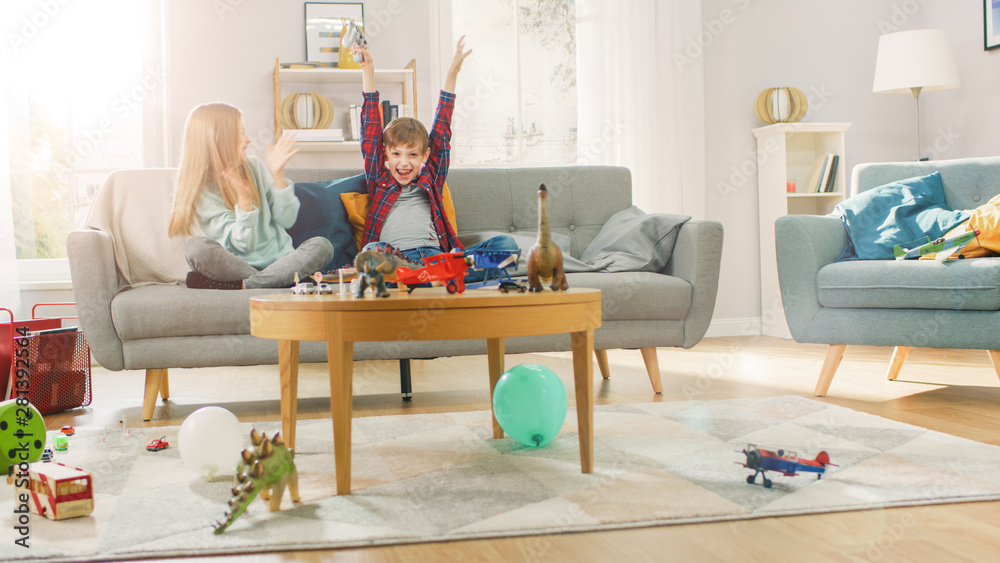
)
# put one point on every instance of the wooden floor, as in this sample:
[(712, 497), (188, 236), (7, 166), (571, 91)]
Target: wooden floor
[(950, 391)]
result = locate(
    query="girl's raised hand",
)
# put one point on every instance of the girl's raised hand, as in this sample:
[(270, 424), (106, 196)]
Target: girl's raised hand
[(278, 155)]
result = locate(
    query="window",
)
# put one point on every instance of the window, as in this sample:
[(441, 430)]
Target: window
[(517, 93), (84, 76)]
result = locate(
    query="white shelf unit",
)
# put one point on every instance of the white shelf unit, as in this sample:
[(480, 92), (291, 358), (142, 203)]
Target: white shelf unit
[(786, 153), (406, 77)]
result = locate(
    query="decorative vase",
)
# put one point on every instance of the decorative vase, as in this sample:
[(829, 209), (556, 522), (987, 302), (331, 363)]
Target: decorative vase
[(781, 105), (306, 110)]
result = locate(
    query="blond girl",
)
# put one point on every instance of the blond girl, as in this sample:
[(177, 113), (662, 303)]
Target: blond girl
[(243, 205)]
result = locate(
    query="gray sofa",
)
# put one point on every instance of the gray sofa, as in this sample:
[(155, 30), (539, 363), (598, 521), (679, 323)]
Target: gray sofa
[(136, 316), (922, 303)]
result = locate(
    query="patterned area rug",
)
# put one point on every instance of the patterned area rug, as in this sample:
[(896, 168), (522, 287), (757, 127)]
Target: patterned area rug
[(432, 477)]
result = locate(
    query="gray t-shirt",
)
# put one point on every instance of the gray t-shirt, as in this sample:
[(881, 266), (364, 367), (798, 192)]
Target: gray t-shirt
[(408, 224)]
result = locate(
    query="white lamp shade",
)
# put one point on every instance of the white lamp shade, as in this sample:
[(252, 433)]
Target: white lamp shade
[(920, 58)]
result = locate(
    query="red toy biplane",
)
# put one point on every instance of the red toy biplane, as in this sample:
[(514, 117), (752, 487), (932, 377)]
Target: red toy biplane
[(787, 463)]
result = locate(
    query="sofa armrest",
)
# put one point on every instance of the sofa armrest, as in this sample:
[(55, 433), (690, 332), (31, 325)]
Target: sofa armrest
[(696, 259), (804, 244), (95, 283)]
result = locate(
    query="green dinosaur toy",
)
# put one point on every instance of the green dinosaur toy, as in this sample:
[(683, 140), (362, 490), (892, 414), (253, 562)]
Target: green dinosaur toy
[(374, 265), (266, 470)]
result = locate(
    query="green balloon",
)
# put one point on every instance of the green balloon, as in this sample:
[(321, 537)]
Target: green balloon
[(530, 404)]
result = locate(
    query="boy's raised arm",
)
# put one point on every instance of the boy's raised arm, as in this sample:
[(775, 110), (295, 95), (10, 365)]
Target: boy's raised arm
[(371, 125), (456, 66)]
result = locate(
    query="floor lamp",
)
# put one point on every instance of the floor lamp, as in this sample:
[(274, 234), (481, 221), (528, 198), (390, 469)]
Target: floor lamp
[(915, 61)]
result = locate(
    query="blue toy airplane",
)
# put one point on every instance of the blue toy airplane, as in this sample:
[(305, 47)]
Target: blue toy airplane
[(787, 463)]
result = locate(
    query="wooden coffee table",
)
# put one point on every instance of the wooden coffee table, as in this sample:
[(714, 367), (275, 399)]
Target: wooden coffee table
[(342, 320)]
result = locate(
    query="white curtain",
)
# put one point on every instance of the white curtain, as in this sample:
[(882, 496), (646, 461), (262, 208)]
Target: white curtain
[(641, 98), (10, 295)]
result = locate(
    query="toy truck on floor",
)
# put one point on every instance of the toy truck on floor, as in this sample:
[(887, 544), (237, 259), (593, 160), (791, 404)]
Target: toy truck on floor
[(56, 491)]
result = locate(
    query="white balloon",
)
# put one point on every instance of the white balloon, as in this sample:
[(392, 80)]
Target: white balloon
[(210, 441)]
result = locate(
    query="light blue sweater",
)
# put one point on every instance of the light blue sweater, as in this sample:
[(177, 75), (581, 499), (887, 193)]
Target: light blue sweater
[(257, 236)]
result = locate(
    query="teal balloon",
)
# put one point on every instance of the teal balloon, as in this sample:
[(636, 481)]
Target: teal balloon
[(530, 404)]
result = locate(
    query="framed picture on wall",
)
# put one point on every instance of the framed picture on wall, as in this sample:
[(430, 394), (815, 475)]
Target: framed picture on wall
[(324, 22), (991, 23)]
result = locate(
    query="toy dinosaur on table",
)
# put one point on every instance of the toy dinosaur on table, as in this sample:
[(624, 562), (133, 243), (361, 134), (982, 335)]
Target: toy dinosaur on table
[(373, 266), (266, 470), (545, 260)]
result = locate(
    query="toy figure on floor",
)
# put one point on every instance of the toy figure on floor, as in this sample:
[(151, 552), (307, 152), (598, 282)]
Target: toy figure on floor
[(405, 172), (545, 260), (242, 203), (266, 470)]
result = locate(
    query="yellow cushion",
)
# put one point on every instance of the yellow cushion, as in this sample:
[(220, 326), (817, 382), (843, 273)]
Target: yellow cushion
[(356, 205)]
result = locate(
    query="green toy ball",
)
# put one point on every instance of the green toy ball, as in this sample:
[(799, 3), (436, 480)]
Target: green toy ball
[(530, 404), (22, 433)]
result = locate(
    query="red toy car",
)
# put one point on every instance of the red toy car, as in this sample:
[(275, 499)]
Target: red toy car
[(448, 267), (68, 430), (157, 445)]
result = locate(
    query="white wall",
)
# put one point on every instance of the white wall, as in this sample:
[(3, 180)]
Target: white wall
[(827, 50), (224, 50)]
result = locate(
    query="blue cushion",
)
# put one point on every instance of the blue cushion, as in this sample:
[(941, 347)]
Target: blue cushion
[(322, 214), (908, 213)]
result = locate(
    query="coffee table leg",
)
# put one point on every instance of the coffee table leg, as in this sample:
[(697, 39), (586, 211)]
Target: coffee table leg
[(583, 371), (288, 368), (495, 351), (340, 355)]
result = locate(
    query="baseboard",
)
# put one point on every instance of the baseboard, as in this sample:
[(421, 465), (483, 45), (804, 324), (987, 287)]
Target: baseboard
[(750, 326)]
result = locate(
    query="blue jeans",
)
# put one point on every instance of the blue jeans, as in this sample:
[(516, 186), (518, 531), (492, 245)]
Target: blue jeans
[(499, 242)]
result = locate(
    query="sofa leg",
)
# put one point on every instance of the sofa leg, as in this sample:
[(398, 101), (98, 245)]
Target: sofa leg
[(602, 362), (652, 368), (405, 383), (165, 386), (156, 382), (833, 356), (995, 358), (899, 354)]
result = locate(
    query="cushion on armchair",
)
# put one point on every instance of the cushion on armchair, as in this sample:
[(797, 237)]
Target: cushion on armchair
[(908, 213)]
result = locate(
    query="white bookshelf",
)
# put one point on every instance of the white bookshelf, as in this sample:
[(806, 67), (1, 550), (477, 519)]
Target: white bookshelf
[(786, 153), (343, 98)]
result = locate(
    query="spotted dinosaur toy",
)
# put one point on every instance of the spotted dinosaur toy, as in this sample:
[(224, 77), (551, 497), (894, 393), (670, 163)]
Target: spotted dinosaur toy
[(545, 260), (374, 265), (265, 469)]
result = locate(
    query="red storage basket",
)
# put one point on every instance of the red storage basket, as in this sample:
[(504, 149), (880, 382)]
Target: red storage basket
[(45, 363)]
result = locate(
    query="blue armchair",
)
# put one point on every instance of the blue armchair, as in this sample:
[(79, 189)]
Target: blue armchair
[(921, 303)]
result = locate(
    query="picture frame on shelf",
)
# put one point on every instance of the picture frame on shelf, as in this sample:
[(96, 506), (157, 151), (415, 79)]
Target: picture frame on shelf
[(324, 23), (991, 24)]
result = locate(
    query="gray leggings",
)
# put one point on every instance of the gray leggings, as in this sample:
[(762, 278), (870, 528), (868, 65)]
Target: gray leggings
[(210, 258)]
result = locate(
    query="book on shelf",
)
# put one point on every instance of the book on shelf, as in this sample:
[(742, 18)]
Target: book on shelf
[(824, 177), (814, 174), (355, 118), (831, 179), (307, 64)]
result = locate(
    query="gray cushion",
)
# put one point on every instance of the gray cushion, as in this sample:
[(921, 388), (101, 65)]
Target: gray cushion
[(633, 241), (971, 285)]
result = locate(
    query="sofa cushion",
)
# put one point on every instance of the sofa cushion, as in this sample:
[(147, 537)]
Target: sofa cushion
[(637, 296), (633, 241), (908, 213), (321, 214), (972, 284), (172, 310)]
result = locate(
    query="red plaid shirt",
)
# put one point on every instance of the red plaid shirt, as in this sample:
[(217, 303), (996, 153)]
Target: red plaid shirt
[(382, 187)]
